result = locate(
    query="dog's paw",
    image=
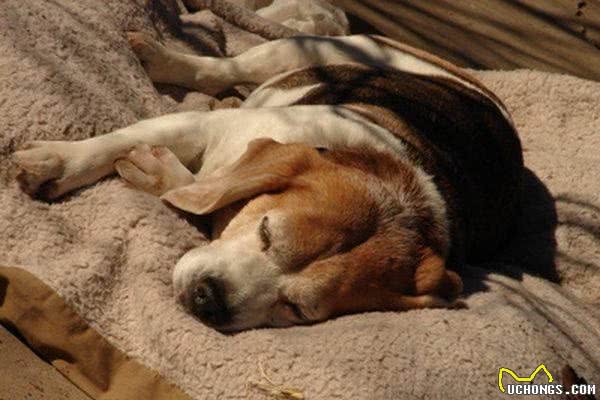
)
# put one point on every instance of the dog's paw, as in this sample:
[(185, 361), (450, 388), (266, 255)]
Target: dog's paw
[(152, 54), (41, 167), (155, 170)]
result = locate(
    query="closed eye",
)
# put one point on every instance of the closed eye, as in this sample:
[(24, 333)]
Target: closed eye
[(264, 233), (296, 310)]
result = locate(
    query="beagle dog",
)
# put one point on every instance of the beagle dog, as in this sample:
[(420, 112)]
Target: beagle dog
[(356, 177)]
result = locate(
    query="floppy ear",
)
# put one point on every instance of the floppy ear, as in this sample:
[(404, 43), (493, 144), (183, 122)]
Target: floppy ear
[(265, 166), (432, 277)]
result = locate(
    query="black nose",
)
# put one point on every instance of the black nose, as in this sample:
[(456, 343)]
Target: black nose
[(208, 302)]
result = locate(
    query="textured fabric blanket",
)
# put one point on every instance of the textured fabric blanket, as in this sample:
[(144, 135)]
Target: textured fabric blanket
[(66, 72)]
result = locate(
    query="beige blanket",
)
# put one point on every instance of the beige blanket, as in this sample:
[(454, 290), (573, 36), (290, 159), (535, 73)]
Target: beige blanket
[(66, 72)]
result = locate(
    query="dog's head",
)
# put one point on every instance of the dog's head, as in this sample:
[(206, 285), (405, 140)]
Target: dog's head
[(314, 235)]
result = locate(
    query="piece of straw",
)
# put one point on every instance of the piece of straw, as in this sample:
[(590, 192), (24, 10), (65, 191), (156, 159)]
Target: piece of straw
[(275, 390)]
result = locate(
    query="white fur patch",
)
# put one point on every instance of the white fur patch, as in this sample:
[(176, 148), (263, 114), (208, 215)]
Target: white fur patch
[(249, 277)]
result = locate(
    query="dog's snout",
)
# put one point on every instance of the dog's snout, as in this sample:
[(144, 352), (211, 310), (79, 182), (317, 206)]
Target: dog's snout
[(208, 302)]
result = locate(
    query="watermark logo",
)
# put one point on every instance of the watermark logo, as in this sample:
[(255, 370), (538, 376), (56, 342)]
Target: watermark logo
[(524, 384), (518, 378)]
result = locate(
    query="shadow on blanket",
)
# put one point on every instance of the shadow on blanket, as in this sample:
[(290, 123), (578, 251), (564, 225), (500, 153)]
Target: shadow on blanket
[(533, 244)]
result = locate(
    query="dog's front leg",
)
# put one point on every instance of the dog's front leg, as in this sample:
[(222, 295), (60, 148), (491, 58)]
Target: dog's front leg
[(153, 169), (49, 169)]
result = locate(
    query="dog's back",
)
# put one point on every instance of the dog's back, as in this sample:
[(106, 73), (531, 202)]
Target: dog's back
[(452, 126)]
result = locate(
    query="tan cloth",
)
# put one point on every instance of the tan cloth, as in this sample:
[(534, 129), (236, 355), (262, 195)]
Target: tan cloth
[(108, 250), (34, 378), (80, 353), (555, 36)]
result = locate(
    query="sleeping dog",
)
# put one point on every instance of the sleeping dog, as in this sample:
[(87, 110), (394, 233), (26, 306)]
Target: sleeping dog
[(358, 176)]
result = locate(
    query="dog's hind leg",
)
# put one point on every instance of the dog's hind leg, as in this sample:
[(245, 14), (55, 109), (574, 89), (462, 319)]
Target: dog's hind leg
[(213, 74)]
